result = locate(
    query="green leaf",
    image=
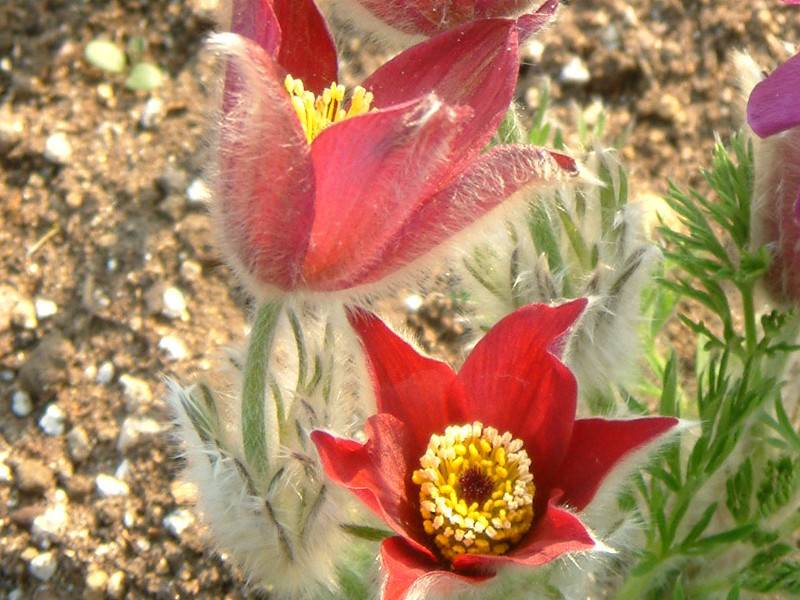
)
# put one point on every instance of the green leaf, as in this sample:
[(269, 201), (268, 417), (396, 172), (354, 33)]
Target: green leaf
[(105, 55), (144, 76), (364, 532)]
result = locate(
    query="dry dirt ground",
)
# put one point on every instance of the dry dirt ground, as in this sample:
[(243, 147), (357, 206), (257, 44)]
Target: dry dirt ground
[(109, 281)]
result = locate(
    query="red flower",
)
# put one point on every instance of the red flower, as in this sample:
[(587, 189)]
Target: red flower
[(429, 17), (330, 203), (510, 412)]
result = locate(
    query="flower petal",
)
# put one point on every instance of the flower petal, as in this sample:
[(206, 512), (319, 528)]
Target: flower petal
[(307, 50), (475, 65), (515, 383), (265, 189), (774, 104), (255, 20), (378, 473), (597, 446), (496, 176), (422, 393), (372, 172), (554, 534), (531, 23), (405, 566)]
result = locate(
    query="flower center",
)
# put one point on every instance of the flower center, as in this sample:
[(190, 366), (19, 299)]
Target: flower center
[(476, 490), (318, 112)]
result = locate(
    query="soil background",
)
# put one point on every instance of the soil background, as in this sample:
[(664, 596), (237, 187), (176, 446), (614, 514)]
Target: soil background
[(109, 280)]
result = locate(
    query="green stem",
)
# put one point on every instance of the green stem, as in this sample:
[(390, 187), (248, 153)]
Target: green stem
[(254, 387), (751, 334)]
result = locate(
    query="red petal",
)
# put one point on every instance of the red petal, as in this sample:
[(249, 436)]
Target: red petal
[(421, 392), (373, 171), (496, 176), (554, 534), (774, 104), (255, 20), (597, 446), (531, 23), (378, 473), (405, 566), (514, 383), (265, 196), (307, 50), (475, 65)]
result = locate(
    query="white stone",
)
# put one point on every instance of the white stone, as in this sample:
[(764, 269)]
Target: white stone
[(575, 72), (198, 192), (174, 304), (6, 475), (105, 373), (52, 421), (173, 348), (116, 585), (152, 113), (135, 392), (78, 444), (191, 270), (178, 521), (123, 470), (57, 148), (43, 566), (413, 302), (45, 308), (135, 430), (110, 487), (21, 403), (50, 525)]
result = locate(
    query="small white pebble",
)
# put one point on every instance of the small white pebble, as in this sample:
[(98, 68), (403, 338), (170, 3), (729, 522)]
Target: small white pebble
[(6, 475), (50, 525), (57, 148), (575, 72), (21, 404), (178, 521), (191, 270), (152, 113), (110, 487), (135, 392), (43, 566), (105, 373), (174, 304), (115, 587), (413, 302), (45, 308), (198, 192), (135, 430), (52, 421), (78, 444), (173, 348)]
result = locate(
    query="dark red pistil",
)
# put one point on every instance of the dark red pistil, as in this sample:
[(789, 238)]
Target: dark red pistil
[(475, 485)]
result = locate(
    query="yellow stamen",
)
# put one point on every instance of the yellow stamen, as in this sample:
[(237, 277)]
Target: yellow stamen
[(318, 112), (476, 491)]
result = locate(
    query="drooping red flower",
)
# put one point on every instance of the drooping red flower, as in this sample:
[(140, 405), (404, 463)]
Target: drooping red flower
[(429, 17), (485, 467), (773, 112), (314, 194)]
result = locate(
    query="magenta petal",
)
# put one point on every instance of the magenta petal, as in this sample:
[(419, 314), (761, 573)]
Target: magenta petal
[(373, 171), (421, 392), (554, 534), (404, 566), (515, 383), (264, 204), (774, 104), (494, 177), (597, 446), (475, 65), (255, 20), (307, 50), (531, 23), (378, 473)]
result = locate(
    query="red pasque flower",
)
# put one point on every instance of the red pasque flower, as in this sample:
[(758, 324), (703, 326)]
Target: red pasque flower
[(429, 17), (773, 112), (315, 193), (485, 467)]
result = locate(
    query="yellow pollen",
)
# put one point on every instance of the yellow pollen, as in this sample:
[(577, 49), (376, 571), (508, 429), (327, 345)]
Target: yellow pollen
[(476, 490), (318, 112)]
